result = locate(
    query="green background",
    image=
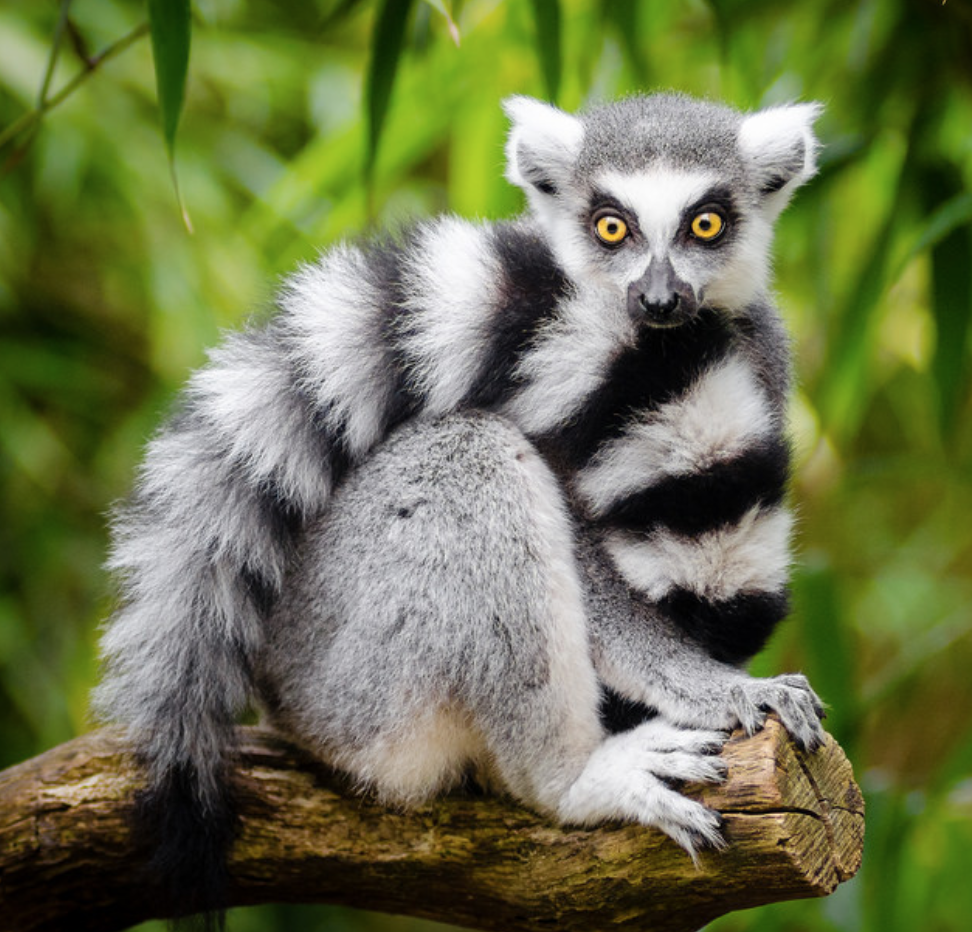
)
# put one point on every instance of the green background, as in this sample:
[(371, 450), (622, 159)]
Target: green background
[(298, 129)]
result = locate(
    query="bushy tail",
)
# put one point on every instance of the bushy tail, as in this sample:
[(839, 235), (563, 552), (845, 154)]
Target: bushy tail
[(178, 675), (191, 833), (200, 552), (264, 432)]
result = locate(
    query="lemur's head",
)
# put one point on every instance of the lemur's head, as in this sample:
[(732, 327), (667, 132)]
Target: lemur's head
[(668, 200)]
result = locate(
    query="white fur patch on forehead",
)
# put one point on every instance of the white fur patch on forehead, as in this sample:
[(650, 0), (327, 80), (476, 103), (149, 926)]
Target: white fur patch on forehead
[(658, 197)]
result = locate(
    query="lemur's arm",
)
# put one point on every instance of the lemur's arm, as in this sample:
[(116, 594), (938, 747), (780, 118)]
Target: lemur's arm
[(692, 533), (644, 655)]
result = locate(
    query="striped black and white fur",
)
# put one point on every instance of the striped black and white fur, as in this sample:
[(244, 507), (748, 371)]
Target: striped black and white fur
[(480, 497)]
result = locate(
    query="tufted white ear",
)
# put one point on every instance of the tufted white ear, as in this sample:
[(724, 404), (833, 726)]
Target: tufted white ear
[(781, 147), (542, 146)]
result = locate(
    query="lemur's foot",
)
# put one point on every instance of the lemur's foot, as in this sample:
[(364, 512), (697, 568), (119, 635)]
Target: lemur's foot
[(629, 777)]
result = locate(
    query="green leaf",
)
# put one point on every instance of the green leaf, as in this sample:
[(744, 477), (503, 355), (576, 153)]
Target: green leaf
[(946, 218), (340, 12), (625, 18), (444, 9), (386, 49), (170, 23), (59, 29), (949, 233), (828, 645), (546, 13), (843, 393)]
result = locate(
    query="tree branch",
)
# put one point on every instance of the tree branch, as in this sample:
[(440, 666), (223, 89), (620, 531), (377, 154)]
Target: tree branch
[(794, 823)]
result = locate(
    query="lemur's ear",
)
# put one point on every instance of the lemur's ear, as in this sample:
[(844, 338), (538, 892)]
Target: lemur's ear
[(542, 145), (782, 149)]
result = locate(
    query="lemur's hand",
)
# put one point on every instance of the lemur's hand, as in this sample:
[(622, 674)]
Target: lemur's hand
[(729, 698), (790, 696)]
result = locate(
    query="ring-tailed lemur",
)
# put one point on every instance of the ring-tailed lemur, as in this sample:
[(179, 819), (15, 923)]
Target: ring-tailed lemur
[(482, 495)]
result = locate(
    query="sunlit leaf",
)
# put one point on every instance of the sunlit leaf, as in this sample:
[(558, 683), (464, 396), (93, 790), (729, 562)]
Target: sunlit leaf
[(444, 9), (954, 213), (842, 396)]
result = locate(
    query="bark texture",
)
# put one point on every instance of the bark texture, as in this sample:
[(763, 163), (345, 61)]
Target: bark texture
[(794, 823)]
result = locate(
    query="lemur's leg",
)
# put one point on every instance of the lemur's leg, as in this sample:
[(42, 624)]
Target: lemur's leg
[(436, 623)]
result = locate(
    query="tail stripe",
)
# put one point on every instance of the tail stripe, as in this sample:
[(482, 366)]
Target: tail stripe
[(334, 323), (449, 293), (719, 416), (530, 289)]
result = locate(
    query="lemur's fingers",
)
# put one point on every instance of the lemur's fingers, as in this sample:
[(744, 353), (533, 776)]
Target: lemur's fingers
[(627, 777), (746, 708), (690, 824), (679, 766), (603, 794), (671, 753), (800, 682), (660, 735), (790, 697)]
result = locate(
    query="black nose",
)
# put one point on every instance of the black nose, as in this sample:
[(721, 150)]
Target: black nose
[(660, 298), (659, 309)]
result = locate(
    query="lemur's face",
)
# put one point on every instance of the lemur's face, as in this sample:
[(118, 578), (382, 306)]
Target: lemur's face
[(665, 203), (669, 241)]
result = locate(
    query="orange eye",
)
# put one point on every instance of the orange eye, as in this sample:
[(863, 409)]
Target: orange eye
[(610, 229), (707, 225)]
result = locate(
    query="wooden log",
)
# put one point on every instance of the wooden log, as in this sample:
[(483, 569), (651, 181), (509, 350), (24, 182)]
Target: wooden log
[(794, 825)]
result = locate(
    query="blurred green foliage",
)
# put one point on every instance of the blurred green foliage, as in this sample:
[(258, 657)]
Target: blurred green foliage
[(305, 122)]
